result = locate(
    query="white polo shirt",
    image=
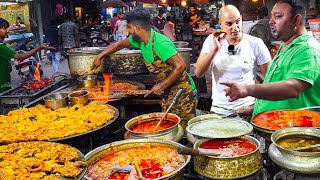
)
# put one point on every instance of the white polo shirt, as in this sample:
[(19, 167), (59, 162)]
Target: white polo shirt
[(240, 68)]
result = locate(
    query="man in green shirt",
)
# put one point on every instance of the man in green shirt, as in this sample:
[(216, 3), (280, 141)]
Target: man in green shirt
[(293, 78), (6, 54), (162, 60)]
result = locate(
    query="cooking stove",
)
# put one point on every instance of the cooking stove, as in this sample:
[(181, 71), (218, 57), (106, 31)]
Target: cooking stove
[(287, 175), (28, 92)]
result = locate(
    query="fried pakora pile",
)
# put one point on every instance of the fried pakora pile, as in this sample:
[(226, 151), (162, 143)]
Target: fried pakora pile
[(41, 123), (39, 160)]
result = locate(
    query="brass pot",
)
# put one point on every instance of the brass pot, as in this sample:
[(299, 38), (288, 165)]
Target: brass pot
[(228, 167), (56, 100), (87, 81), (79, 97), (107, 149), (295, 161), (174, 133)]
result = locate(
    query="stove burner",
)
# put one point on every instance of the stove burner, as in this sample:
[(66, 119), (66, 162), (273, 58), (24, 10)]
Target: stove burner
[(34, 84), (287, 175)]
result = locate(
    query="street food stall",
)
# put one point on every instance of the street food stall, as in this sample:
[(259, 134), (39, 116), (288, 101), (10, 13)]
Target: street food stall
[(99, 125)]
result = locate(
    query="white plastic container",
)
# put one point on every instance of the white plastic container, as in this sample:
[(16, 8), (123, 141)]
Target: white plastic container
[(314, 24)]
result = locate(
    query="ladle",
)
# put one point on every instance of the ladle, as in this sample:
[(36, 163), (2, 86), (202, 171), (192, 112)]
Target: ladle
[(173, 102), (195, 152), (306, 147)]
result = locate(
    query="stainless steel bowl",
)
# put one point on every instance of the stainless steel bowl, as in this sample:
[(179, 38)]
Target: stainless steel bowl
[(299, 162), (56, 100), (87, 81), (79, 97), (107, 149)]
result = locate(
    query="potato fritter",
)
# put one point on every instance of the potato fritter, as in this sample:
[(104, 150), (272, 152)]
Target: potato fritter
[(41, 123), (39, 160)]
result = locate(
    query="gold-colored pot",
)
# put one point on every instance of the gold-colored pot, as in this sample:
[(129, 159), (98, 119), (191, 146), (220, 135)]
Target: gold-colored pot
[(56, 100), (79, 97), (87, 81), (295, 161), (228, 167), (174, 133), (111, 148)]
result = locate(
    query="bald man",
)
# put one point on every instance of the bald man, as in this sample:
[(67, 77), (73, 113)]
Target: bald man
[(233, 56)]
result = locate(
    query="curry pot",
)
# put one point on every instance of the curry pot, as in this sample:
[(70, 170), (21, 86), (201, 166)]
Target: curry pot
[(295, 161), (125, 62), (81, 60), (107, 149), (173, 133), (228, 167)]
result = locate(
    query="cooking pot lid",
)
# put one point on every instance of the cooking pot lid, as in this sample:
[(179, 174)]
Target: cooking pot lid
[(220, 128)]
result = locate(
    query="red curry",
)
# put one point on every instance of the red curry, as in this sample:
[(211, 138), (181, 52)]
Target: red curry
[(148, 126), (230, 147)]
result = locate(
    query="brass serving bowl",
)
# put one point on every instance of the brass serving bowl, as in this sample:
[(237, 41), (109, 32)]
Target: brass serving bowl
[(228, 167), (79, 97), (87, 81), (111, 148), (56, 100), (295, 161)]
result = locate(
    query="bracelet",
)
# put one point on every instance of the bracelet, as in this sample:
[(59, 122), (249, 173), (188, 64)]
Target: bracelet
[(159, 89)]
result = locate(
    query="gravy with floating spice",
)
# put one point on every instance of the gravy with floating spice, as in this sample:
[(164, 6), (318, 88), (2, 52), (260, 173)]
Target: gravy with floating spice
[(296, 141)]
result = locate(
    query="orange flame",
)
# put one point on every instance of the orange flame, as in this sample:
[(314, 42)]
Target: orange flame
[(37, 73), (101, 93)]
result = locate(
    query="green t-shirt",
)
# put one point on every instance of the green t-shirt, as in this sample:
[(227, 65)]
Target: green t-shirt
[(299, 60), (5, 55), (163, 47)]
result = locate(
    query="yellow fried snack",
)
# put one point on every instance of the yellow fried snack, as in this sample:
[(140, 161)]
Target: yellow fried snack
[(41, 123), (39, 160)]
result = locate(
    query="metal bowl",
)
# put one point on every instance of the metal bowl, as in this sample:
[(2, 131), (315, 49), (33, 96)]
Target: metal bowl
[(87, 81), (79, 97), (56, 100), (295, 161), (170, 133), (228, 167), (107, 149), (192, 138), (295, 131)]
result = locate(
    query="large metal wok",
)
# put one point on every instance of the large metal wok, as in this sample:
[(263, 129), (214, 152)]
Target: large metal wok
[(116, 114)]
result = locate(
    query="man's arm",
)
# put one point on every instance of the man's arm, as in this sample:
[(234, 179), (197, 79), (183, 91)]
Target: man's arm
[(286, 89), (263, 68), (109, 50), (32, 52), (178, 66)]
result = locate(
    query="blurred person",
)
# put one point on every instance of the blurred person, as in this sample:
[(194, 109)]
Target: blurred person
[(113, 22), (6, 54), (68, 35), (169, 29), (194, 15), (233, 56), (52, 37), (120, 28), (159, 21), (163, 62), (293, 78)]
